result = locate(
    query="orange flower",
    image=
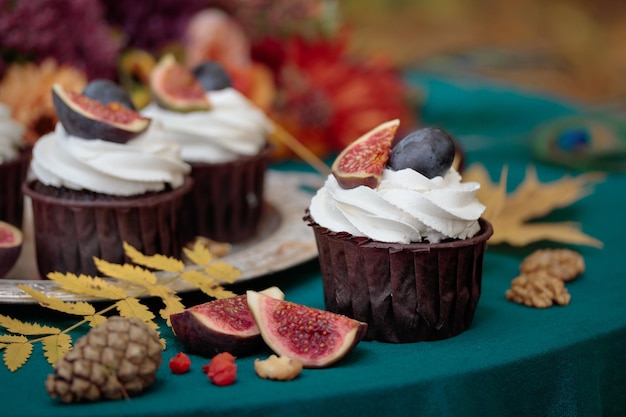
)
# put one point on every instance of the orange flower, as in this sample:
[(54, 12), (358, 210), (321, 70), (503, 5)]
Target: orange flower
[(26, 89)]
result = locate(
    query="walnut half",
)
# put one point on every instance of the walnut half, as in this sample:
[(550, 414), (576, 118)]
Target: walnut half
[(540, 290), (278, 368), (565, 264)]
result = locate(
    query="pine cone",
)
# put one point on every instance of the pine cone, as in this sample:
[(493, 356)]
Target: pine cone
[(114, 360)]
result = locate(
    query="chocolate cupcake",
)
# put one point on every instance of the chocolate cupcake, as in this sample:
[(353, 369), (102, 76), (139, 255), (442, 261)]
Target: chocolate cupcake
[(228, 149), (14, 160), (404, 253), (90, 195)]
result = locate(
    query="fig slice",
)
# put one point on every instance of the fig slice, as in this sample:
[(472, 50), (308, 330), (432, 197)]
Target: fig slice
[(222, 325), (10, 247), (362, 161), (176, 88), (315, 337), (90, 119)]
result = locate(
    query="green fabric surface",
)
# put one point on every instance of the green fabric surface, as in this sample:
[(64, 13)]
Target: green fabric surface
[(513, 361)]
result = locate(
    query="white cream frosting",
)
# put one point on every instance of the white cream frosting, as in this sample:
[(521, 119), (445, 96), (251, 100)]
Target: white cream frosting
[(405, 207), (145, 163), (231, 128), (10, 135)]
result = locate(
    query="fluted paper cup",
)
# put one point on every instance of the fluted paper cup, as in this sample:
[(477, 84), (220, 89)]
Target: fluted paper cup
[(69, 233), (404, 292)]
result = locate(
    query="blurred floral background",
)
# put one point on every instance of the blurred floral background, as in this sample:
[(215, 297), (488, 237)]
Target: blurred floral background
[(325, 70)]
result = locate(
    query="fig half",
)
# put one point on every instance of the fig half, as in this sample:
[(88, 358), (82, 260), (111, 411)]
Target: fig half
[(362, 162), (175, 88), (222, 325), (90, 119), (10, 247), (315, 337)]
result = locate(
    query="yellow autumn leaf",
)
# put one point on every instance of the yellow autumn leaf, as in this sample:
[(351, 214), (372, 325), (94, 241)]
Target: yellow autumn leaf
[(170, 299), (56, 346), (132, 307), (158, 262), (223, 271), (95, 320), (510, 214), (12, 338), (126, 272), (79, 308), (16, 355), (205, 284), (23, 328), (199, 254), (86, 285)]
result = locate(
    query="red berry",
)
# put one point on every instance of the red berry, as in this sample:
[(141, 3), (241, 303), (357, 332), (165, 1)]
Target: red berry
[(222, 369), (180, 363)]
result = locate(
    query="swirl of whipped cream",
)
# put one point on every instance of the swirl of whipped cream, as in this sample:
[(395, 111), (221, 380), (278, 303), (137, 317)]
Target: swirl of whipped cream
[(232, 127), (10, 135), (145, 163), (405, 207)]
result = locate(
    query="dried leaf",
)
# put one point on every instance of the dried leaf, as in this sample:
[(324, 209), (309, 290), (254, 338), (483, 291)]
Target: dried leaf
[(126, 272), (199, 254), (56, 346), (510, 213), (205, 284), (89, 286), (223, 271), (16, 355), (170, 299), (23, 328), (132, 307), (13, 338), (78, 308), (158, 262), (95, 320)]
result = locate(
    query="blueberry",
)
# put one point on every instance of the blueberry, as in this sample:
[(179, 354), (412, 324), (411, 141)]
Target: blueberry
[(429, 151), (212, 76), (106, 91)]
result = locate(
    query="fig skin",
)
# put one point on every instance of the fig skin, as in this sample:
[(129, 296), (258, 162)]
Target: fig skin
[(212, 76), (362, 161), (198, 335), (9, 251), (185, 96), (106, 91), (338, 334), (88, 126)]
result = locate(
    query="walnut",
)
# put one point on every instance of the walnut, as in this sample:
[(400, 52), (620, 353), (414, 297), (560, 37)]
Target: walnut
[(539, 289), (565, 264), (280, 368)]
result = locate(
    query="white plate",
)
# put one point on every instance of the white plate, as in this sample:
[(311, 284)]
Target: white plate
[(283, 240)]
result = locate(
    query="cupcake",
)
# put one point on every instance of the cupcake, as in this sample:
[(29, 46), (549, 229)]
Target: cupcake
[(96, 184), (399, 236), (14, 159), (226, 143)]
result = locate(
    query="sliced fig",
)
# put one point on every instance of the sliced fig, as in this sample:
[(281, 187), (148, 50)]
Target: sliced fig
[(315, 337), (89, 119), (175, 88), (362, 162), (223, 325), (106, 91), (10, 247)]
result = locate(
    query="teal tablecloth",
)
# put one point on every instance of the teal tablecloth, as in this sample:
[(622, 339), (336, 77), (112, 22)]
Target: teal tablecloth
[(513, 361)]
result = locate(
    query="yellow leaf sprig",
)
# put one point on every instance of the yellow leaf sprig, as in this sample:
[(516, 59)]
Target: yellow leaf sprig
[(126, 285), (511, 213)]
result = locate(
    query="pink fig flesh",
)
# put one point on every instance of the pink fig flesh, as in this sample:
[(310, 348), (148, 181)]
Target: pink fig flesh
[(317, 338), (10, 247), (223, 325), (362, 162)]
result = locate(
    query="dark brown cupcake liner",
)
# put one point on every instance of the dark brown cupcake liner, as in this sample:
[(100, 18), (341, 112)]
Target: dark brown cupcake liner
[(12, 174), (70, 233), (405, 292), (227, 198)]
